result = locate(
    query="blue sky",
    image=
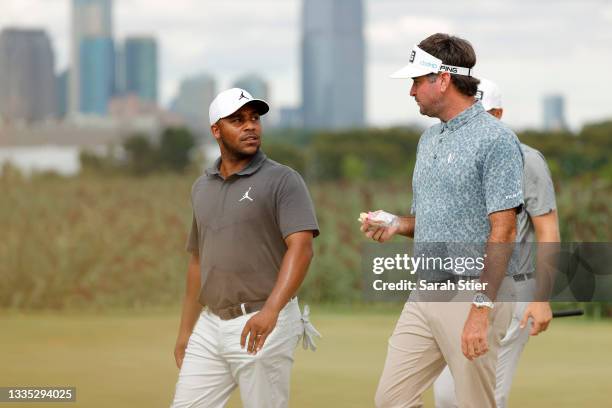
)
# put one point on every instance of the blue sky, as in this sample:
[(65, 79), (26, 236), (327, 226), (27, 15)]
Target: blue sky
[(529, 47)]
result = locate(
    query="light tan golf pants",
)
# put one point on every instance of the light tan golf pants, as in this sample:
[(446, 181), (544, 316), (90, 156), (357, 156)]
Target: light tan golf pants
[(426, 338)]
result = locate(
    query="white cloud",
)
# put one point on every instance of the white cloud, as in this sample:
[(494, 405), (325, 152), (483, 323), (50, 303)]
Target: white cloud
[(388, 31), (607, 13)]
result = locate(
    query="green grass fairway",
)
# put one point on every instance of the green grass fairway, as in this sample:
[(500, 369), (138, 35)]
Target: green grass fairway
[(124, 359)]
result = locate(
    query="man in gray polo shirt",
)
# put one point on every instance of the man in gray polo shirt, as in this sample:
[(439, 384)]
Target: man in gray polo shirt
[(251, 245), (537, 223), (467, 188)]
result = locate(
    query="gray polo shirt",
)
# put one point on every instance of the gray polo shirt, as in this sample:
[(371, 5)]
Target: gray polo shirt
[(539, 196), (239, 226), (466, 169)]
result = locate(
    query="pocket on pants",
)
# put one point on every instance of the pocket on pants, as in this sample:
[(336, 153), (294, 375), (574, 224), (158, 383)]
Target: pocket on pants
[(290, 320)]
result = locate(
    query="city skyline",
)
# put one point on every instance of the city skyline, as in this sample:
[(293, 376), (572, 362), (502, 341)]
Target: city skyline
[(519, 44)]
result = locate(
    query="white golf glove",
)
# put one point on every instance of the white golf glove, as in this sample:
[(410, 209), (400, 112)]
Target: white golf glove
[(309, 331), (379, 218)]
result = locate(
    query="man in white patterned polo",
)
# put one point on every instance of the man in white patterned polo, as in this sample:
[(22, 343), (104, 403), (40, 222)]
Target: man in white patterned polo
[(467, 188)]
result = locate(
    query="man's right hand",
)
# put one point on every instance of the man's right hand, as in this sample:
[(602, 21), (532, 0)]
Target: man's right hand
[(378, 233), (179, 351), (541, 315)]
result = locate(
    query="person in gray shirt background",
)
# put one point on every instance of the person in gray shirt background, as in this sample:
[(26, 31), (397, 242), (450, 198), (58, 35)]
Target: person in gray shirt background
[(538, 222)]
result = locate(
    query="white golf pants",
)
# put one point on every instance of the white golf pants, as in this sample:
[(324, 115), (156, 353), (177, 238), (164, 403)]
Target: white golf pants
[(215, 364)]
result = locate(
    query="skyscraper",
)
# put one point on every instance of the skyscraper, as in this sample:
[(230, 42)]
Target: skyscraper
[(140, 62), (290, 117), (61, 86), (97, 75), (254, 84), (333, 54), (554, 113), (91, 22), (194, 98), (120, 69), (27, 78)]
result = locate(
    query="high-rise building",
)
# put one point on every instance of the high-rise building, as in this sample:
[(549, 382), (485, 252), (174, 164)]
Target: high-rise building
[(27, 78), (97, 75), (61, 86), (333, 59), (290, 117), (194, 98), (91, 22), (253, 84), (554, 113), (140, 62), (120, 70)]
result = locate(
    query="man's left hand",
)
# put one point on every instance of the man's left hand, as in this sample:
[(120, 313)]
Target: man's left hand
[(257, 328), (474, 338)]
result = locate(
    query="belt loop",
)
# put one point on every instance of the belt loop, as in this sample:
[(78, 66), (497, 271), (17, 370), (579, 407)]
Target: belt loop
[(243, 309)]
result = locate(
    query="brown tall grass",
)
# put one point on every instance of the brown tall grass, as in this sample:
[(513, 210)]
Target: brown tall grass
[(119, 241)]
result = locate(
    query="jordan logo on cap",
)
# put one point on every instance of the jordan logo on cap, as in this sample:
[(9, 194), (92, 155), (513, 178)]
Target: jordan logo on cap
[(242, 96)]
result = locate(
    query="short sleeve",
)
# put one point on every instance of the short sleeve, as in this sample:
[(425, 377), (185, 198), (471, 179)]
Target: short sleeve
[(539, 192), (192, 241), (295, 211), (503, 175)]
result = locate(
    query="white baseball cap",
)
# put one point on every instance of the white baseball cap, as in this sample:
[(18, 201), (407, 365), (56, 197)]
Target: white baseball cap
[(488, 93), (229, 101), (423, 63)]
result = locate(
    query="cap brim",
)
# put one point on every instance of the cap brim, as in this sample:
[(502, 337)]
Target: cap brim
[(259, 104), (409, 71)]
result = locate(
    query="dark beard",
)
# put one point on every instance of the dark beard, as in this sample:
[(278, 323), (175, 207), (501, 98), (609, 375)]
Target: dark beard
[(235, 154)]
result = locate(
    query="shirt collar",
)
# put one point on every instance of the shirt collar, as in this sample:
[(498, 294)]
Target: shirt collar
[(254, 165), (463, 118)]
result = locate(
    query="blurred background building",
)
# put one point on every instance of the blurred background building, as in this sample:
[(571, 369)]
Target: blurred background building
[(194, 97), (290, 117), (554, 113), (333, 59), (92, 57), (140, 61), (27, 79), (62, 83), (254, 84), (96, 75)]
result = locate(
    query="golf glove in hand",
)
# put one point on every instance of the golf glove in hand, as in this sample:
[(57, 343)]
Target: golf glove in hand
[(379, 218)]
